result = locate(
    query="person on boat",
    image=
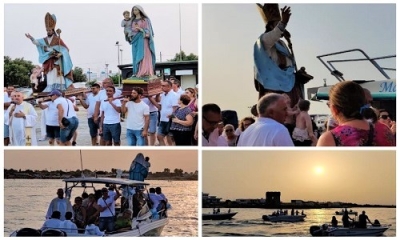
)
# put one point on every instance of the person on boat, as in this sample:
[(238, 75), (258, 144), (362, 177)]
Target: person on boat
[(346, 218), (54, 221), (164, 201), (79, 214), (92, 229), (297, 212), (334, 222), (362, 220), (59, 204), (68, 226), (138, 201), (229, 210), (107, 210), (157, 201), (218, 211), (292, 212), (92, 209), (124, 221)]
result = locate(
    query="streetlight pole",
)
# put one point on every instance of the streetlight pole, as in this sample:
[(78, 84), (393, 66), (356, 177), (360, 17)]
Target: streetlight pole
[(122, 59), (106, 70), (180, 35), (119, 80)]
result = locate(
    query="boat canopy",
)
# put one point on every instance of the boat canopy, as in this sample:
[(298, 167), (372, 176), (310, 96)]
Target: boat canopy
[(121, 181), (380, 90)]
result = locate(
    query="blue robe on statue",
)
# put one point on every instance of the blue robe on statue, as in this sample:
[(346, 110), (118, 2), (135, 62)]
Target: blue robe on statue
[(139, 168)]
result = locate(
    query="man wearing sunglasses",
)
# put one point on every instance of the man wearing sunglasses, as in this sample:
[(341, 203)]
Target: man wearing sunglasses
[(211, 119)]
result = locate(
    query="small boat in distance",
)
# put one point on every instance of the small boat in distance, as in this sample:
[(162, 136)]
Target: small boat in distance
[(349, 212), (369, 231), (284, 218), (216, 215)]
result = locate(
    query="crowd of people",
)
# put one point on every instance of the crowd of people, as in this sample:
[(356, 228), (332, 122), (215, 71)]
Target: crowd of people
[(168, 118), (353, 122), (96, 213)]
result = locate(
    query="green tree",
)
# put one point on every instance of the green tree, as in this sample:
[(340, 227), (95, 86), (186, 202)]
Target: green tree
[(17, 71), (78, 75), (185, 57), (115, 79)]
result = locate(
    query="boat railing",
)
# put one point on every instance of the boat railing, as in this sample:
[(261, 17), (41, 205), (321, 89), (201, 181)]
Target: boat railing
[(339, 75)]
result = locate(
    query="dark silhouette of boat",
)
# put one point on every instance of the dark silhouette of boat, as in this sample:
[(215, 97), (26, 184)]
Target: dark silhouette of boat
[(218, 216)]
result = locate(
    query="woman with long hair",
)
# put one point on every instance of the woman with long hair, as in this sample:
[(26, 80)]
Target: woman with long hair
[(191, 92)]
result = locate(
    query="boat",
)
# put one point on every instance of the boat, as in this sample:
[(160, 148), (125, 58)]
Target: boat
[(144, 224), (326, 230), (383, 90), (284, 218), (349, 212), (218, 216)]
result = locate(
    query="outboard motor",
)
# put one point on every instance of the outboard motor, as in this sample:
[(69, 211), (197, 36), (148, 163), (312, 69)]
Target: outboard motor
[(316, 231), (28, 232), (265, 217), (53, 233)]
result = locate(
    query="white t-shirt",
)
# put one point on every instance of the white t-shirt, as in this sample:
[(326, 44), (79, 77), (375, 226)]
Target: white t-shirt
[(180, 92), (265, 132), (67, 105), (51, 223), (103, 203), (68, 226), (156, 199), (167, 103), (152, 108), (91, 101), (51, 114), (110, 115), (103, 96), (136, 113)]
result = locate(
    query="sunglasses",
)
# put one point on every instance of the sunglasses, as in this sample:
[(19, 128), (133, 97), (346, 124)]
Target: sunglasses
[(213, 123), (384, 116)]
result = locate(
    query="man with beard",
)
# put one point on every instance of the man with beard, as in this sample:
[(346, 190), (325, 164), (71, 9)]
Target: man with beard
[(60, 204), (54, 57), (137, 118)]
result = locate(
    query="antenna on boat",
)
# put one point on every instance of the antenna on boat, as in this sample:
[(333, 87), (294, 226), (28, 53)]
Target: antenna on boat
[(80, 152)]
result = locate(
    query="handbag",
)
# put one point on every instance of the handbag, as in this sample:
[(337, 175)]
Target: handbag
[(65, 120)]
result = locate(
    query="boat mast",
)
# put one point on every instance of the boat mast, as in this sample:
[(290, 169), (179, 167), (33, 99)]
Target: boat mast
[(80, 152)]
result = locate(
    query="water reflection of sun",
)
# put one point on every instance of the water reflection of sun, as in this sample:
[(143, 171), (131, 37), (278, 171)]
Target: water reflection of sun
[(319, 170)]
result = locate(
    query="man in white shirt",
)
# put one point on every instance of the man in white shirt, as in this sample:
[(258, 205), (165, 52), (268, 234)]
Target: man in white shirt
[(137, 120), (90, 104), (169, 103), (110, 122), (268, 130), (103, 96), (67, 225), (176, 86), (54, 222), (107, 210), (51, 120), (156, 200), (60, 204)]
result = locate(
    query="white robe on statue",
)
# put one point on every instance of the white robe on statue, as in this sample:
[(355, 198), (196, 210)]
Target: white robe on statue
[(23, 130)]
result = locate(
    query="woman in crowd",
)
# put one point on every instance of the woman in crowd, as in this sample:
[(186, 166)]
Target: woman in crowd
[(346, 102), (182, 121)]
